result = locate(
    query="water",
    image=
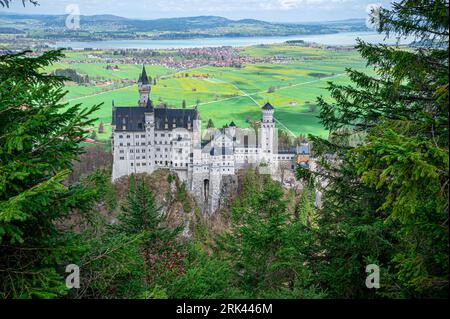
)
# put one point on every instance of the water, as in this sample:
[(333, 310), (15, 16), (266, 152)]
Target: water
[(326, 39)]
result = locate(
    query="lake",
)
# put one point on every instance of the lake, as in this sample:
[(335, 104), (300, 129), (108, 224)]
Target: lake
[(326, 39)]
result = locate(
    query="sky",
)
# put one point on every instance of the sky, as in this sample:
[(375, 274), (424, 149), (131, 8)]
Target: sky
[(268, 10)]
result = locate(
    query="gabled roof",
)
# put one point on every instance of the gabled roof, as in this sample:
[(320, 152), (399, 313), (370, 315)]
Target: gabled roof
[(268, 107), (174, 118), (130, 118), (143, 78)]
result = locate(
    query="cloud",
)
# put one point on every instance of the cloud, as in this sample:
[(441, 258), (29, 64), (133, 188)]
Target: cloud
[(288, 4)]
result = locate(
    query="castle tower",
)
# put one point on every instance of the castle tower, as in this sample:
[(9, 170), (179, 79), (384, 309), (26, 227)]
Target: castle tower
[(267, 133), (144, 88)]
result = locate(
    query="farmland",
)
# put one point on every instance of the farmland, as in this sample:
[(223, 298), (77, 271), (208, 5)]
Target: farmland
[(223, 94)]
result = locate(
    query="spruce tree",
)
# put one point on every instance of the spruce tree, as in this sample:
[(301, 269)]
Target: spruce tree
[(386, 200), (161, 251), (39, 138), (210, 124)]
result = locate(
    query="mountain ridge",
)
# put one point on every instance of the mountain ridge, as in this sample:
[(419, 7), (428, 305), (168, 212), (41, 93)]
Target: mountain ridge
[(106, 26)]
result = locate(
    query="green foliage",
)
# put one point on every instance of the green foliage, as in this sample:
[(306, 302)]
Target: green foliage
[(112, 266), (161, 252), (39, 139), (206, 277), (183, 197), (387, 198), (100, 180), (263, 247), (210, 124)]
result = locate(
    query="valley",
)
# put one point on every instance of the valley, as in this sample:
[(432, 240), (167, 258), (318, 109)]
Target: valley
[(291, 78)]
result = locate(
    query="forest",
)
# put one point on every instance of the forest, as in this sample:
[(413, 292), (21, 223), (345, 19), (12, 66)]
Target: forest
[(384, 199)]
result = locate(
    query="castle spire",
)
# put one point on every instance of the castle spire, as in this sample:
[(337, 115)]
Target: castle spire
[(143, 79)]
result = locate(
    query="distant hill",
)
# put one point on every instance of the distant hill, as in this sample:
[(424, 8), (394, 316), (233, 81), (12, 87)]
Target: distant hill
[(111, 26)]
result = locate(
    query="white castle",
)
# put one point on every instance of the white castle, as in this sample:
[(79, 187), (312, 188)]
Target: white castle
[(147, 138)]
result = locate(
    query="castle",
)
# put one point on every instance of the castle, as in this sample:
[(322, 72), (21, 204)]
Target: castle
[(146, 138)]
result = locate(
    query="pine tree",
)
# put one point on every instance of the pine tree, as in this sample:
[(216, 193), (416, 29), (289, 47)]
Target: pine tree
[(263, 246), (162, 253), (387, 198), (39, 139), (210, 124)]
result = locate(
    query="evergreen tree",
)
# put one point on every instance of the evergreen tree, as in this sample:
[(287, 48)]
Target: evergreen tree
[(163, 255), (387, 198), (183, 104), (264, 248), (210, 124), (6, 3), (101, 128), (39, 139)]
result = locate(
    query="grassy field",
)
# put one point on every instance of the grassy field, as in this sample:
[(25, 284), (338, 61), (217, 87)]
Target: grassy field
[(229, 94)]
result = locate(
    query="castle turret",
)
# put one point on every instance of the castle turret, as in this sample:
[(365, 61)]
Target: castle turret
[(267, 132), (144, 88)]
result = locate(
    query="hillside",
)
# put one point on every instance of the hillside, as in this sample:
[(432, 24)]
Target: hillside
[(99, 27)]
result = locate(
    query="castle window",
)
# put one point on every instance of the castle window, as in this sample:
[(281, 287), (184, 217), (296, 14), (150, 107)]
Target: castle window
[(131, 164), (120, 144), (120, 136), (128, 136), (142, 136), (122, 158)]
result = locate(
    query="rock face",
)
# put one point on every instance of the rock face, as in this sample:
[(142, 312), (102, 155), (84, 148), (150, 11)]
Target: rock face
[(170, 195), (228, 190), (191, 208)]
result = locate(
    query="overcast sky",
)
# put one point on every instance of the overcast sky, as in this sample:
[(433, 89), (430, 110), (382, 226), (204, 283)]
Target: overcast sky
[(269, 10)]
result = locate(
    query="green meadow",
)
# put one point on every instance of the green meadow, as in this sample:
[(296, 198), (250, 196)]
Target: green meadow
[(228, 94)]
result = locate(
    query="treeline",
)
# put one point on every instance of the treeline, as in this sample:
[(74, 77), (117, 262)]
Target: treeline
[(145, 254), (72, 75)]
